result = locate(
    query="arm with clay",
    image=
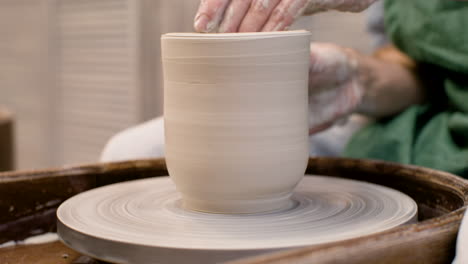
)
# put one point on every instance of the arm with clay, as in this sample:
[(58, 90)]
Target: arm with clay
[(343, 81), (264, 15)]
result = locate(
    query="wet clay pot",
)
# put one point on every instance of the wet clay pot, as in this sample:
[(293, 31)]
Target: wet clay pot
[(235, 115)]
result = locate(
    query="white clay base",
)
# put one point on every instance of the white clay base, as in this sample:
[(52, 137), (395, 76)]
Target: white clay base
[(144, 221)]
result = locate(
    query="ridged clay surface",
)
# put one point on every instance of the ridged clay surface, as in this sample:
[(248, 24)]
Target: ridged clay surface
[(148, 216), (235, 113)]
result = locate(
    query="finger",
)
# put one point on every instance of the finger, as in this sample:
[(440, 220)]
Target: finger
[(284, 14), (233, 16), (257, 15), (209, 15)]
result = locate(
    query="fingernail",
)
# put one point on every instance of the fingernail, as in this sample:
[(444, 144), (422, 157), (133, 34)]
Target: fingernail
[(201, 23)]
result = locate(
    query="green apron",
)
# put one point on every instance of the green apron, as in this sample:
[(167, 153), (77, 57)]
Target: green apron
[(434, 135)]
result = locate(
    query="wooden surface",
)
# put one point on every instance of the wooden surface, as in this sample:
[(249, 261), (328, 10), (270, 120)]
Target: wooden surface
[(6, 140), (47, 253), (28, 201), (441, 197)]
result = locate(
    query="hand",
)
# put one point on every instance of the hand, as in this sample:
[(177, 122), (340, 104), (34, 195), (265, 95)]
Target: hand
[(264, 15), (336, 85)]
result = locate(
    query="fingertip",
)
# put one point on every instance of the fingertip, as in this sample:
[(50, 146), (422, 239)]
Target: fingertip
[(257, 15), (230, 22), (209, 15), (272, 26), (245, 27), (284, 15), (234, 16), (226, 29), (223, 29), (201, 23), (278, 21), (253, 22)]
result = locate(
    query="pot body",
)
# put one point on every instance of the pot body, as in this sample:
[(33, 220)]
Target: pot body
[(235, 112)]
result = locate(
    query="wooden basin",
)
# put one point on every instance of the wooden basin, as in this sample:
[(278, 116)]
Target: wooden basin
[(29, 199)]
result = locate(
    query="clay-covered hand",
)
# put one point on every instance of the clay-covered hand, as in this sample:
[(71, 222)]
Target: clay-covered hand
[(264, 15), (336, 85)]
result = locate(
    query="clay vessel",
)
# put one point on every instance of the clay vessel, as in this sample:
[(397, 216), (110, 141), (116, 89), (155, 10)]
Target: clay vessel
[(235, 112)]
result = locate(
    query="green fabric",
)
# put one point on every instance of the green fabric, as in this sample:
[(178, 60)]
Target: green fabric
[(434, 135)]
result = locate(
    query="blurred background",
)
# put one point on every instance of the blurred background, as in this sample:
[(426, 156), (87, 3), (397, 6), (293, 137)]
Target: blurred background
[(75, 72)]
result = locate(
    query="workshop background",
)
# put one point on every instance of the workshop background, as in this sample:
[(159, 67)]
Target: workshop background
[(75, 72)]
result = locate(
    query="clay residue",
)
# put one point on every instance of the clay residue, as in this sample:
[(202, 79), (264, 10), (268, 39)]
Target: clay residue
[(265, 4), (39, 239)]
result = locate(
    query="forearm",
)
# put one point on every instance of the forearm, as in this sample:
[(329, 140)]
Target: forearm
[(390, 83), (316, 6)]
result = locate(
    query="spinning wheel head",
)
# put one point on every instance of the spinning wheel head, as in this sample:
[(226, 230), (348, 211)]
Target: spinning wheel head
[(147, 216)]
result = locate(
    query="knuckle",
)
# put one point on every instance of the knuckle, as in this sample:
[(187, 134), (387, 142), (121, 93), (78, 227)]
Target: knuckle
[(260, 6), (280, 15)]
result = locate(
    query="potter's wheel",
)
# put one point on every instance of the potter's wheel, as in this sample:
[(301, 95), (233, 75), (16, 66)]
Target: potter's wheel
[(144, 221)]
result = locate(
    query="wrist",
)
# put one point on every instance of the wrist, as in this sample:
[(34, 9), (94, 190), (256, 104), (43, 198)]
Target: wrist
[(363, 72), (389, 83), (367, 77)]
